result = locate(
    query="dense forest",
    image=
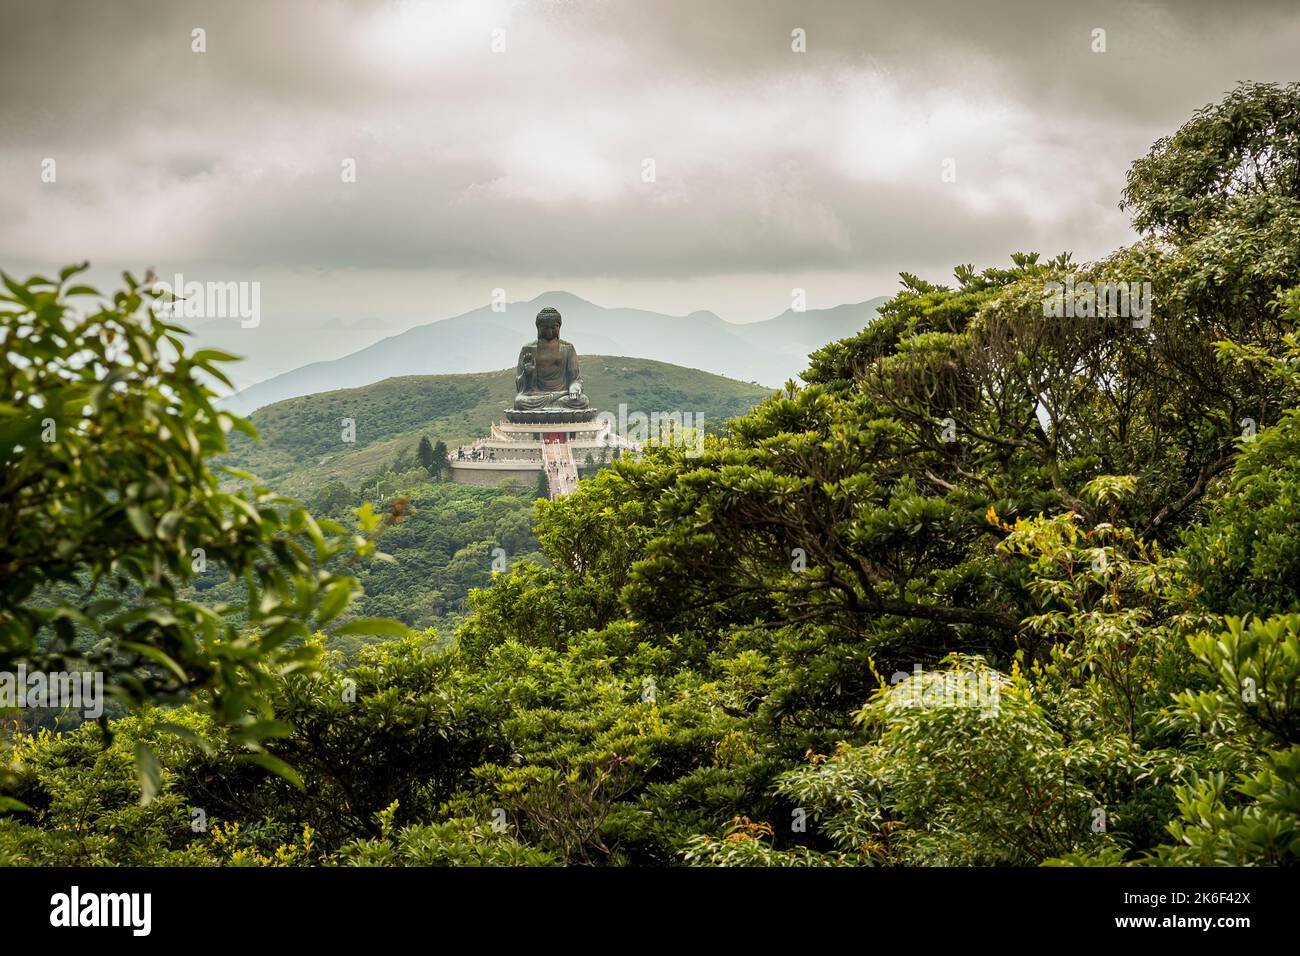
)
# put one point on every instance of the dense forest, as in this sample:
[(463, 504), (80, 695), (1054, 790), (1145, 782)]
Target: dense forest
[(452, 538), (997, 583)]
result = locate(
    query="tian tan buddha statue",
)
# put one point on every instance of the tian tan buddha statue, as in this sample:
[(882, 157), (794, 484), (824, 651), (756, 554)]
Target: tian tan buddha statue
[(547, 376)]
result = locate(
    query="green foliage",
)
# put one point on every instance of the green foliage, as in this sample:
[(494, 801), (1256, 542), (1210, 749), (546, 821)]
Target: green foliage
[(1250, 814), (1246, 558), (984, 780), (111, 510), (458, 842), (1233, 158), (440, 537), (993, 587), (748, 844), (83, 796), (432, 458)]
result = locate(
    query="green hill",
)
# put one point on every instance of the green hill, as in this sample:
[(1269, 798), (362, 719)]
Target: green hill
[(303, 449)]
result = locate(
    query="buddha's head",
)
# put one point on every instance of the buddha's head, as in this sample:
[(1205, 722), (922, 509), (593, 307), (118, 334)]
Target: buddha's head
[(548, 324)]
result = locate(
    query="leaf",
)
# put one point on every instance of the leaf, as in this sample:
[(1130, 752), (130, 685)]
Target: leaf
[(140, 520), (241, 425), (146, 764), (336, 598), (20, 292), (242, 504), (204, 356), (158, 657), (220, 376), (282, 632), (176, 730), (277, 767), (10, 804), (169, 523), (262, 729)]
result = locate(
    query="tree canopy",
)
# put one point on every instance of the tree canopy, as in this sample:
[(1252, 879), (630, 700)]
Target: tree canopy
[(995, 584)]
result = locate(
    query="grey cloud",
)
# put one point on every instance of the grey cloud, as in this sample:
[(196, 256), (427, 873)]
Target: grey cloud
[(1163, 57), (528, 163)]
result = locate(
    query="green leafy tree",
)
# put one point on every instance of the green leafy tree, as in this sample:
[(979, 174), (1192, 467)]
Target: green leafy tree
[(433, 457), (110, 510), (425, 454), (439, 462)]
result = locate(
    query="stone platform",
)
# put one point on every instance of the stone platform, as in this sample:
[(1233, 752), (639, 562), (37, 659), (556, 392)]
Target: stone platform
[(549, 416), (522, 446)]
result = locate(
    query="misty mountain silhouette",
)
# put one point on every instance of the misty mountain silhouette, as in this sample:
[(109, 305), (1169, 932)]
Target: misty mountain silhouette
[(767, 352)]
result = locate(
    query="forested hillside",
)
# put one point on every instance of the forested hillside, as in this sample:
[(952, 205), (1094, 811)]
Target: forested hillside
[(301, 447), (446, 542), (1001, 584), (441, 550)]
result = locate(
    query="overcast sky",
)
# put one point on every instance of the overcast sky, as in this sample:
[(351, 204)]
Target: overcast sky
[(523, 169)]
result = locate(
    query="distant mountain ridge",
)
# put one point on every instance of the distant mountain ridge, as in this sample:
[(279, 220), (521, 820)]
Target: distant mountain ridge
[(767, 353)]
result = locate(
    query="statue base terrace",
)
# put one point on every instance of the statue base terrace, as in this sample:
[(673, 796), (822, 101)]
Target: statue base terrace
[(564, 444), (545, 444), (549, 416)]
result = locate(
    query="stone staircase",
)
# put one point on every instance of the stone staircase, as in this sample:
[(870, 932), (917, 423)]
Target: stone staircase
[(561, 471)]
